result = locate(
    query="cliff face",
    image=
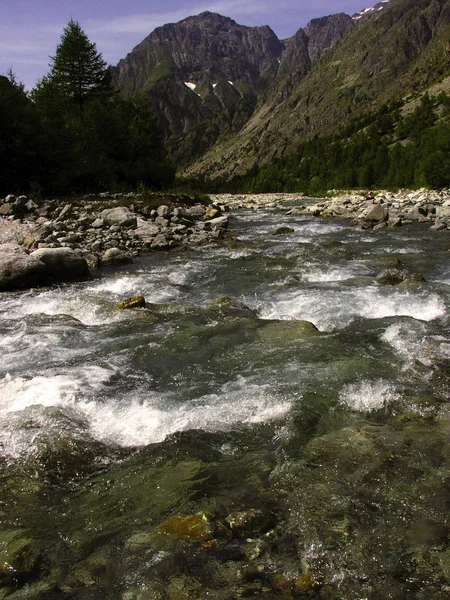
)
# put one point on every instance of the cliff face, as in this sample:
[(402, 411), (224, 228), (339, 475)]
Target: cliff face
[(207, 65), (393, 52), (202, 49)]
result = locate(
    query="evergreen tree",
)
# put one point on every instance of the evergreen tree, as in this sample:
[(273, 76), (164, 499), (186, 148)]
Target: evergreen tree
[(78, 71)]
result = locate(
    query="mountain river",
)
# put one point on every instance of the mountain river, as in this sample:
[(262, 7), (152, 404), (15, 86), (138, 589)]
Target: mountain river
[(275, 424)]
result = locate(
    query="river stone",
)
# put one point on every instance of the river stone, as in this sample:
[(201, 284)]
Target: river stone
[(160, 242), (195, 528), (283, 231), (65, 212), (6, 209), (211, 212), (394, 276), (121, 216), (19, 269), (63, 264), (287, 331), (135, 302), (162, 211), (194, 211), (219, 222), (18, 555), (115, 256), (377, 213), (146, 230), (161, 222)]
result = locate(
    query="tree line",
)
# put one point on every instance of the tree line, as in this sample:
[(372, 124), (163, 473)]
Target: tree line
[(391, 148), (74, 133)]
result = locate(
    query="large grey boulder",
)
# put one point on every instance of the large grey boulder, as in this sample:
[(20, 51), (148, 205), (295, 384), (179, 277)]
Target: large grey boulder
[(63, 264), (20, 270), (377, 213), (121, 216)]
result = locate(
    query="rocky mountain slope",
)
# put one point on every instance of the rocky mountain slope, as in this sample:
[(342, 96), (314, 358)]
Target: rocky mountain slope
[(208, 68), (400, 50)]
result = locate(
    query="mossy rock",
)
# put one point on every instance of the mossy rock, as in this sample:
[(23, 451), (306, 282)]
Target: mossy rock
[(231, 307), (284, 231), (287, 331), (395, 276), (134, 302), (18, 555), (349, 447), (195, 528), (248, 521)]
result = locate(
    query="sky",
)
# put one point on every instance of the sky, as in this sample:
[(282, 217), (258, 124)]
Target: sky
[(31, 29)]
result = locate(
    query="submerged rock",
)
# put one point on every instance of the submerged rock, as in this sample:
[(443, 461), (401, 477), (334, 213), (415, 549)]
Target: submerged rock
[(195, 528), (283, 231), (396, 275), (134, 302), (231, 307), (287, 330)]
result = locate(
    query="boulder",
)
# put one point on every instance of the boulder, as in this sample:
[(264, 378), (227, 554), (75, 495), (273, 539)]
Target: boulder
[(135, 302), (219, 223), (121, 216), (196, 211), (63, 264), (19, 269), (377, 213), (396, 275), (146, 230), (115, 256), (283, 231)]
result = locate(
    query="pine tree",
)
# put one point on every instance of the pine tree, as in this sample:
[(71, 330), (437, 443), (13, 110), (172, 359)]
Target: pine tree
[(78, 71)]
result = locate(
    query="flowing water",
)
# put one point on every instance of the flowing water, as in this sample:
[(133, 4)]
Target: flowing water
[(274, 425)]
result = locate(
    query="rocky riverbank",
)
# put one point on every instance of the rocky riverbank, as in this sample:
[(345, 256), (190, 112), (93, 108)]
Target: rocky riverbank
[(383, 210), (53, 241)]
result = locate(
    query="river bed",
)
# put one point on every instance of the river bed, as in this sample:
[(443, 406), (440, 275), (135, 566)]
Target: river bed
[(275, 424)]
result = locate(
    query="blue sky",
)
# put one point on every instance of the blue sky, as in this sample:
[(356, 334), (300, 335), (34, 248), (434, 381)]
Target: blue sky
[(31, 29)]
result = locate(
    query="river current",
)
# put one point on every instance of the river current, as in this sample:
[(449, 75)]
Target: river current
[(275, 424)]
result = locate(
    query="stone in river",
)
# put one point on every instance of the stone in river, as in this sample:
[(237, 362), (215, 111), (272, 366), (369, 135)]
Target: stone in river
[(135, 302), (394, 276), (377, 213), (115, 256), (19, 269), (63, 264)]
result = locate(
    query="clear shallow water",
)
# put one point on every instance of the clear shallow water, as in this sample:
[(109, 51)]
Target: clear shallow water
[(215, 445)]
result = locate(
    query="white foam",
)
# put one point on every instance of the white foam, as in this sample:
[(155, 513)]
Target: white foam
[(190, 85), (150, 418), (18, 393), (139, 417), (411, 343), (367, 396), (323, 274), (333, 308)]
